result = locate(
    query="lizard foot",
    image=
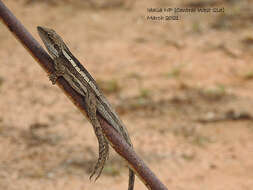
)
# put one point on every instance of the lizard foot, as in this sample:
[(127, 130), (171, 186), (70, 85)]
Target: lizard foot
[(54, 76), (103, 156)]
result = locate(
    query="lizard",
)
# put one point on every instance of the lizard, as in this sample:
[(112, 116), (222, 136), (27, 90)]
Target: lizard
[(68, 67)]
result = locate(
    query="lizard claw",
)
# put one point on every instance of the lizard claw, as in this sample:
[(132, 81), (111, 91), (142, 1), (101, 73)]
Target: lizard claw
[(53, 78)]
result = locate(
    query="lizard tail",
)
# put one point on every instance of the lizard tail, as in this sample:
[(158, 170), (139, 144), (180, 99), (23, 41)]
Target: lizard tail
[(131, 180)]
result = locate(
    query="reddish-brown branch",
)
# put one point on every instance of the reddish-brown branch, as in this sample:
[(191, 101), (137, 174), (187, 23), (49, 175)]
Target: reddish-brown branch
[(116, 141)]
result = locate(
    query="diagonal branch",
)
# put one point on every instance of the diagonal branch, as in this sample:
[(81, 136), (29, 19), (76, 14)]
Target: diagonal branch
[(45, 61)]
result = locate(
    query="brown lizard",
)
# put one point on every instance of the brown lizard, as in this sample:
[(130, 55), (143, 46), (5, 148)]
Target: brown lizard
[(68, 67)]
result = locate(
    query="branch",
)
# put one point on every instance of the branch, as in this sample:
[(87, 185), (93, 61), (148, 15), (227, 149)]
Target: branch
[(45, 61)]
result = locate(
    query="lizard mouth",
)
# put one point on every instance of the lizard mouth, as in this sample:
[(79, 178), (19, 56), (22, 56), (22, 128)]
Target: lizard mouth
[(41, 31), (45, 35)]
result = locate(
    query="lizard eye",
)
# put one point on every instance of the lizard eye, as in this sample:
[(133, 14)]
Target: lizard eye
[(56, 46)]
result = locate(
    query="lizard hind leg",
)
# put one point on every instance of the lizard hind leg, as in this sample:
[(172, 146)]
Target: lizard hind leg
[(90, 100), (103, 156)]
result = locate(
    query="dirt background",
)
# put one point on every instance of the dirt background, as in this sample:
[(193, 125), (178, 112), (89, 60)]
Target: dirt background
[(183, 88)]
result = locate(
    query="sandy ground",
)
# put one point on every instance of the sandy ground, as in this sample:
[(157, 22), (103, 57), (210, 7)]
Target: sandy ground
[(183, 88)]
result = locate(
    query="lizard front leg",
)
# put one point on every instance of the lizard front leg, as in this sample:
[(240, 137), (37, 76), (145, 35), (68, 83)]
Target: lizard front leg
[(90, 100), (54, 76), (60, 70)]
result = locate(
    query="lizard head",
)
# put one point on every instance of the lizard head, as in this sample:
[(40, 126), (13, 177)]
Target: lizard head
[(52, 41)]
